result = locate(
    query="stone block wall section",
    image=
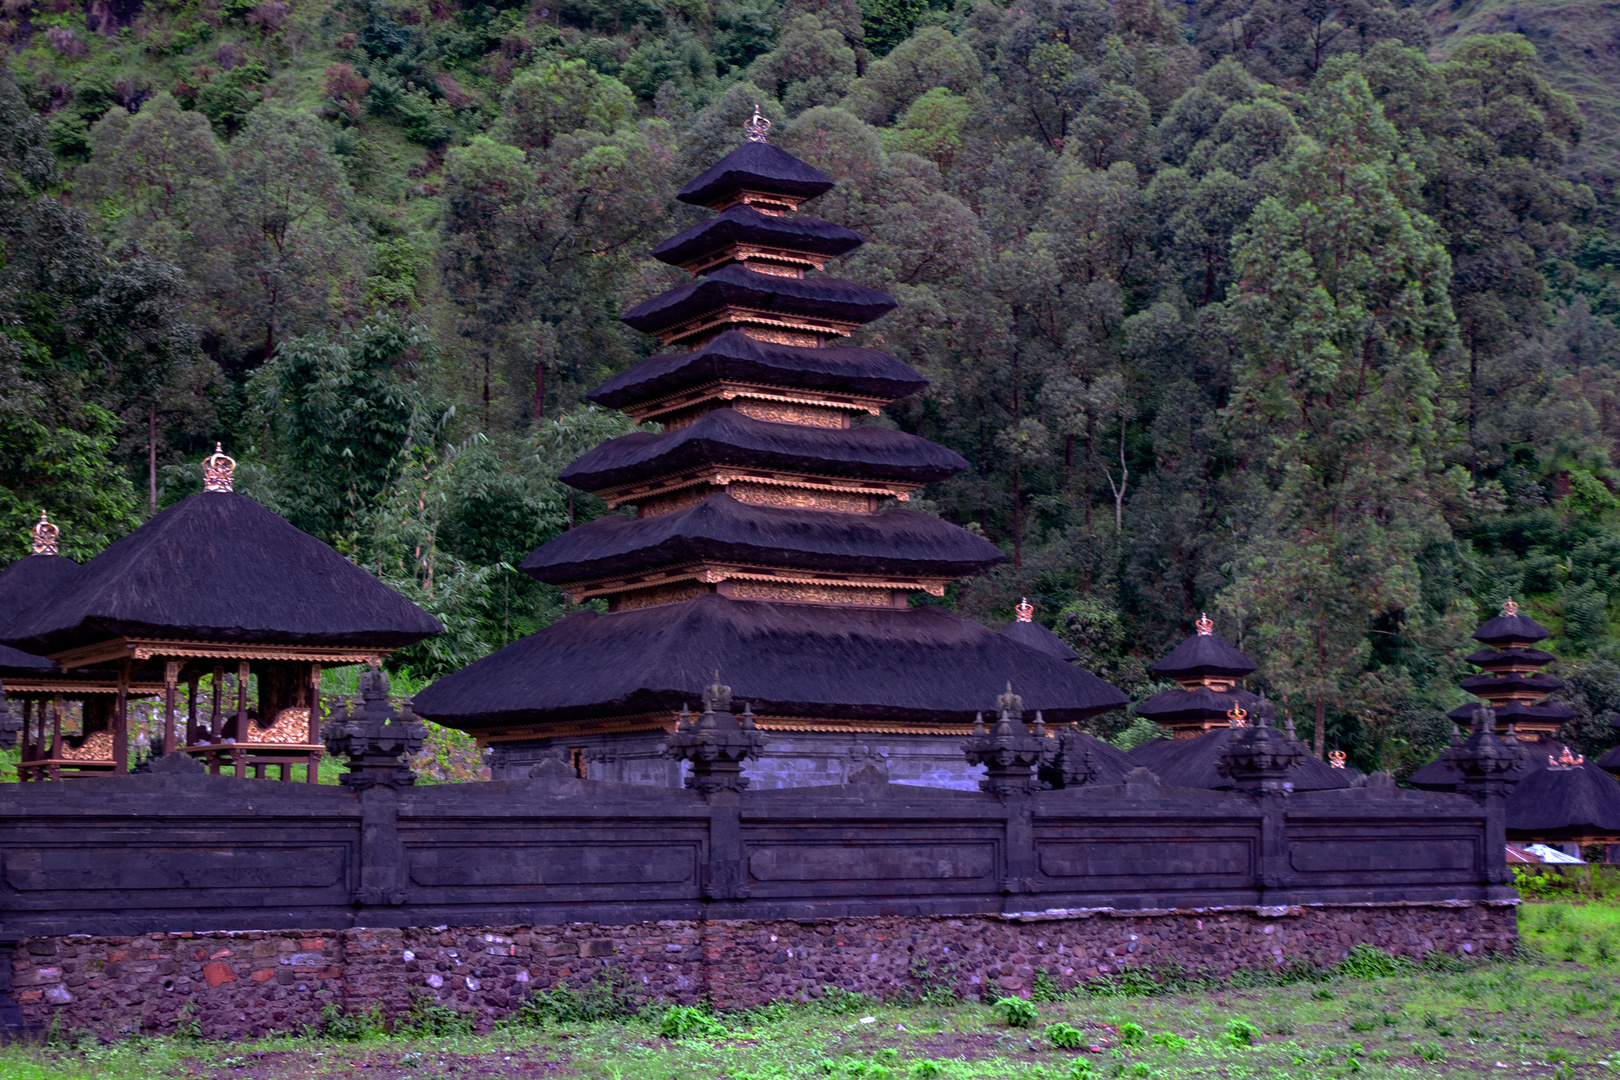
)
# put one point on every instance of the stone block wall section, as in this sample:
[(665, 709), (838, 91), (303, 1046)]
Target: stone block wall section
[(234, 984)]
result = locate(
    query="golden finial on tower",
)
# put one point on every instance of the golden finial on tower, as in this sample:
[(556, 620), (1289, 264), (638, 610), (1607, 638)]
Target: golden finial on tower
[(217, 470), (757, 127), (1205, 625), (1509, 608), (1336, 758), (1236, 715), (45, 535), (1026, 610)]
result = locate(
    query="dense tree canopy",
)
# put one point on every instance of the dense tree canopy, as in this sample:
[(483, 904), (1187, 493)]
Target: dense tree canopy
[(1282, 311)]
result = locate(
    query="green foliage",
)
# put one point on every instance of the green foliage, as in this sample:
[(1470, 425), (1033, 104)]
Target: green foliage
[(343, 1026), (689, 1022), (606, 997), (1131, 1034), (1169, 1040), (1017, 1012), (1370, 962), (1064, 1036), (430, 1018), (1241, 1032)]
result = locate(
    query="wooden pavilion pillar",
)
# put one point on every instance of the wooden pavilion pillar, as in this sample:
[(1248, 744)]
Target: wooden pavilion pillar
[(195, 684), (121, 721), (313, 774), (171, 676)]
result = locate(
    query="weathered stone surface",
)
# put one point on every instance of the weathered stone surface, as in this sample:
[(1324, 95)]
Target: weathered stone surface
[(244, 984)]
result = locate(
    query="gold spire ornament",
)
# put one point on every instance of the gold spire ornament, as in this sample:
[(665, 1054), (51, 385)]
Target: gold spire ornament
[(217, 470), (1336, 758), (45, 535), (757, 127), (1237, 716), (1026, 610), (1205, 625), (1565, 761), (1509, 608)]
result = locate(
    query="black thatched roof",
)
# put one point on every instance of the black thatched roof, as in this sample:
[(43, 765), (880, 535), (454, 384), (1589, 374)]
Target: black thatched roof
[(720, 528), (1032, 635), (1515, 712), (1199, 703), (727, 438), (1535, 682), (30, 581), (1488, 658), (921, 665), (1505, 628), (1192, 763), (1610, 761), (756, 166), (1203, 654), (1555, 803), (1438, 775), (737, 286), (1111, 763), (735, 356), (219, 567), (745, 225), (17, 662)]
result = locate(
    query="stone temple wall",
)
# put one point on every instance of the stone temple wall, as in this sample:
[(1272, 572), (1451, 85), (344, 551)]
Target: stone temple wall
[(253, 982)]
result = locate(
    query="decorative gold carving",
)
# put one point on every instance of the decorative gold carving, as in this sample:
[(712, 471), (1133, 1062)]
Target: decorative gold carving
[(1509, 608), (757, 128), (636, 493), (290, 726), (217, 470), (658, 408), (45, 535), (809, 339), (1025, 610), (749, 320), (708, 574), (802, 415), (1565, 761), (846, 595), (1205, 625), (675, 500), (846, 502), (97, 746), (1237, 715), (766, 202), (663, 594), (775, 269), (1337, 758), (149, 648)]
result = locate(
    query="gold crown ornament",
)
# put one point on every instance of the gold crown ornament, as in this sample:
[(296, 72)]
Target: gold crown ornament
[(1236, 715), (1565, 761), (1026, 610), (1205, 625), (217, 470), (1509, 608), (1337, 758), (757, 127), (45, 535)]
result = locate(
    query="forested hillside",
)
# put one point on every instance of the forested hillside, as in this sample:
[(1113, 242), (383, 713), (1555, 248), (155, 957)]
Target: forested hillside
[(1305, 314)]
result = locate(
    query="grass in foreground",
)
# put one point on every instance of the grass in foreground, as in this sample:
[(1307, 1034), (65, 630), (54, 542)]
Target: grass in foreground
[(1553, 1012)]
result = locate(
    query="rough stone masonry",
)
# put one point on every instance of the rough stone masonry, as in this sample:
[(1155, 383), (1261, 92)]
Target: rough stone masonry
[(233, 984)]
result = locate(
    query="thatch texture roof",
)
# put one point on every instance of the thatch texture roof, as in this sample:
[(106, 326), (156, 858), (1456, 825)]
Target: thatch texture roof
[(921, 665), (745, 225), (17, 662), (735, 356), (899, 542), (1032, 635), (1192, 763), (1551, 804), (756, 166), (1505, 628), (1199, 703), (1439, 775), (1610, 762), (727, 438), (738, 287), (1531, 682), (1515, 712), (33, 581), (219, 567), (1203, 654), (1486, 658)]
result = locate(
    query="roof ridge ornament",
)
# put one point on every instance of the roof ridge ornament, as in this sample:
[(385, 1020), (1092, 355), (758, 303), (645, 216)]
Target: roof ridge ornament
[(1336, 757), (1205, 625), (757, 128), (1237, 715), (1025, 610), (45, 535), (1509, 608), (217, 470), (1565, 761)]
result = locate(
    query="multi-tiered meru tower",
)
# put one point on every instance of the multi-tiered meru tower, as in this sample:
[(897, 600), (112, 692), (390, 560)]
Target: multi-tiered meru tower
[(769, 541)]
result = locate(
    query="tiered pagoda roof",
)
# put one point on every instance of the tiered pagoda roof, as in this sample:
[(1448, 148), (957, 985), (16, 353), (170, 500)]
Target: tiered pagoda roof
[(1207, 669), (1513, 686), (767, 541)]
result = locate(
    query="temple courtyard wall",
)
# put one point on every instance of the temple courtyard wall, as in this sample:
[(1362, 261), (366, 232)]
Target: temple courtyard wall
[(250, 983)]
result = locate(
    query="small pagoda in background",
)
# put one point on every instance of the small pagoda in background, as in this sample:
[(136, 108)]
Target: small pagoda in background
[(1208, 671), (1513, 687), (770, 540), (1208, 712), (214, 584)]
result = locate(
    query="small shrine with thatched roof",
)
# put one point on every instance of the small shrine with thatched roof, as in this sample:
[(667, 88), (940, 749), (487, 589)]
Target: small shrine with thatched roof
[(213, 585)]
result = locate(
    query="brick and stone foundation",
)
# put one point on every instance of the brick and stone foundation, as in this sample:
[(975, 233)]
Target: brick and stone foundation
[(248, 983)]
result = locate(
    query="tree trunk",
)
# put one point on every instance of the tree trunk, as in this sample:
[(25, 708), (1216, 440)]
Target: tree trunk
[(151, 456), (540, 391), (1319, 739), (1018, 520), (486, 389)]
